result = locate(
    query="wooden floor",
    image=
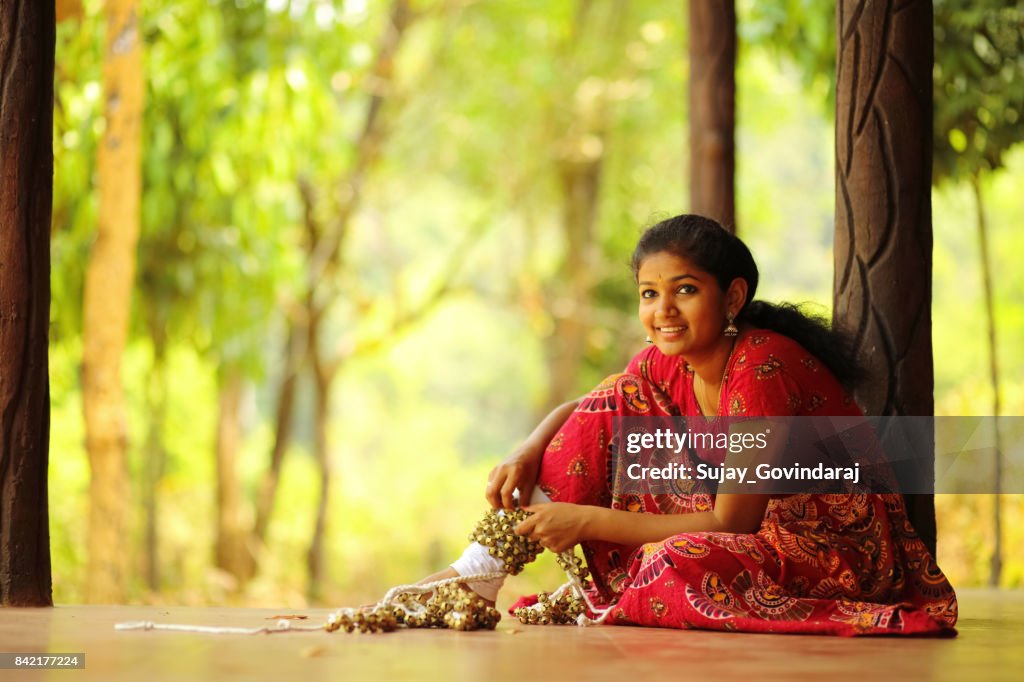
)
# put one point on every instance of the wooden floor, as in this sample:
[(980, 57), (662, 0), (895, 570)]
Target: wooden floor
[(990, 646)]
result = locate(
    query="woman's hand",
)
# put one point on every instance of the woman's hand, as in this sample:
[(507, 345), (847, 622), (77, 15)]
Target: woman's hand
[(520, 471), (557, 526)]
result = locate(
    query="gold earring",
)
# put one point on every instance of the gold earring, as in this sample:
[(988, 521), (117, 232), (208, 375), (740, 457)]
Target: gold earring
[(730, 329), (650, 340)]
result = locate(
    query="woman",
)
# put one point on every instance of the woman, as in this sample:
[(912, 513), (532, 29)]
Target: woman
[(839, 564)]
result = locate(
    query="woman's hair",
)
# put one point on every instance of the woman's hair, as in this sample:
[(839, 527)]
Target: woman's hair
[(724, 255)]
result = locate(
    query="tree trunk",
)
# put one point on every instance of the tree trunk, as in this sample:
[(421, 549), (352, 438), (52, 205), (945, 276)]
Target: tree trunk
[(155, 457), (581, 127), (325, 246), (322, 380), (883, 238), (325, 258), (107, 302), (68, 9), (282, 430), (996, 565), (713, 110), (570, 300), (27, 39), (232, 553)]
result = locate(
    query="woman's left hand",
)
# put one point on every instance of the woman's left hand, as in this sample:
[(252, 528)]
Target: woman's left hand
[(557, 526)]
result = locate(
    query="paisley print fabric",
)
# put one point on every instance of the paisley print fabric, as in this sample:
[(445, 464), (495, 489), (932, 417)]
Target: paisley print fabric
[(820, 564)]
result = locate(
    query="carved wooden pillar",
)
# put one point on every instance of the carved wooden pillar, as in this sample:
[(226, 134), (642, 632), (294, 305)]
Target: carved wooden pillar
[(883, 241)]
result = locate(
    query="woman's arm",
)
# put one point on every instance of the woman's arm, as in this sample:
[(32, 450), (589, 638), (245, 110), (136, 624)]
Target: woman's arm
[(559, 526), (522, 466), (732, 514)]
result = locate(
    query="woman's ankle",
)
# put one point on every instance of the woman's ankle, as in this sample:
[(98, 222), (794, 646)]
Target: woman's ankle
[(449, 572), (443, 574)]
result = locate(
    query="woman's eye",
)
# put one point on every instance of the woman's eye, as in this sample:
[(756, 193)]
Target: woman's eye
[(648, 293), (687, 289)]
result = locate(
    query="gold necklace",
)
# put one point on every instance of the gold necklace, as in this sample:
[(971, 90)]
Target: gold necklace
[(706, 395)]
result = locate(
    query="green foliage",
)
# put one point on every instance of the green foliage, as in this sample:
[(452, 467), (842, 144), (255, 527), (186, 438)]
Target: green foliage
[(77, 124), (979, 96), (799, 32), (959, 327), (606, 78), (214, 259), (979, 68)]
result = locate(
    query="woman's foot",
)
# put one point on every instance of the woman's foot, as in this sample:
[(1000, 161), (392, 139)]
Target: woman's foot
[(450, 572)]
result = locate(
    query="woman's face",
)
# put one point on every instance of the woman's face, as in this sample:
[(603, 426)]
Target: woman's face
[(682, 307)]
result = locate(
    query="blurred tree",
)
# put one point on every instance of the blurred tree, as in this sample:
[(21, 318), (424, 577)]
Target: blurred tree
[(979, 107), (154, 453), (977, 62), (107, 300), (232, 552), (587, 110), (799, 31), (713, 110), (979, 66), (216, 233), (212, 249), (579, 149), (224, 214), (27, 35), (68, 9), (378, 317), (576, 80), (883, 237), (324, 249)]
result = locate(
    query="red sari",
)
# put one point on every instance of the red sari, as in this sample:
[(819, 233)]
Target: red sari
[(820, 564)]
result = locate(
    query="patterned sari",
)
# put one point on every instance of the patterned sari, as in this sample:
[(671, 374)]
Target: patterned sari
[(846, 564)]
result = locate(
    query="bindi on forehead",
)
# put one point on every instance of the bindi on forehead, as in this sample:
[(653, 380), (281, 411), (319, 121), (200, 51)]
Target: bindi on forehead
[(675, 278)]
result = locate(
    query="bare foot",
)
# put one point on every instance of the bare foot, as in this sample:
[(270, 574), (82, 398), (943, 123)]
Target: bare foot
[(448, 572)]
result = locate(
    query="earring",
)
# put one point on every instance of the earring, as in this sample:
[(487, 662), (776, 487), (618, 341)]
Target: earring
[(650, 340), (730, 329)]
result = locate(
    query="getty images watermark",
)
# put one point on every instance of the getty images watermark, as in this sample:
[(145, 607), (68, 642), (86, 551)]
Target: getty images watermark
[(790, 455), (676, 442)]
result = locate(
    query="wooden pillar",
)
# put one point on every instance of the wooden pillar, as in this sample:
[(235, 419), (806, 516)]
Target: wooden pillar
[(27, 40), (883, 240), (713, 110)]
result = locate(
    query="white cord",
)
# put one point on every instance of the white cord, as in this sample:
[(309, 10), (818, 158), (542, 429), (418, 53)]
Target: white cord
[(577, 586), (284, 625)]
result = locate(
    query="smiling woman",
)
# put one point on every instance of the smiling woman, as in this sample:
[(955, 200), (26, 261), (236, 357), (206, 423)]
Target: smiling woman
[(830, 564), (682, 307)]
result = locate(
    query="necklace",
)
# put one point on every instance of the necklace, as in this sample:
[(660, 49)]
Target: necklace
[(705, 401)]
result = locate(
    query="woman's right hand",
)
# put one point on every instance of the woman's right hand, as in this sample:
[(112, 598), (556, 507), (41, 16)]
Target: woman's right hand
[(520, 471)]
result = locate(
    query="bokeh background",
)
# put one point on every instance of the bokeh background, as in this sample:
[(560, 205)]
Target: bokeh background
[(356, 251)]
